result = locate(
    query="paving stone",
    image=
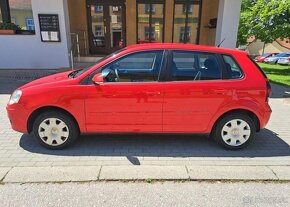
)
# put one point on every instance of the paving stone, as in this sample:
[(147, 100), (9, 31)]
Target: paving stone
[(270, 146)]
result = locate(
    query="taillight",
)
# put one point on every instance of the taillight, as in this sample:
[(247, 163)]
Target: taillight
[(269, 89)]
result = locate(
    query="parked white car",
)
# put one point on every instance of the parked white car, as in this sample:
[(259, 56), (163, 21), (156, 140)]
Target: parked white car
[(284, 61), (276, 58)]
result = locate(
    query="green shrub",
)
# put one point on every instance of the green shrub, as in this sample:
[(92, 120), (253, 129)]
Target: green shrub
[(8, 25)]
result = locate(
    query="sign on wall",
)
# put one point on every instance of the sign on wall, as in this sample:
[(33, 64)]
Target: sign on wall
[(49, 27)]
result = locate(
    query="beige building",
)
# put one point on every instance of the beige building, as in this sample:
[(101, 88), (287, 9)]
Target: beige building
[(257, 47), (52, 28), (107, 25)]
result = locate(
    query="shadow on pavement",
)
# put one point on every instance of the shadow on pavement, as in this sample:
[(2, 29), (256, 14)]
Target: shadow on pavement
[(265, 144), (279, 91)]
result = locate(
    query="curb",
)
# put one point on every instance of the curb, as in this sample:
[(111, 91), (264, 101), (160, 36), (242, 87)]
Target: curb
[(143, 173)]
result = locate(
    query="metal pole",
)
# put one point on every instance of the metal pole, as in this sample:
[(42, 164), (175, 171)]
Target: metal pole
[(72, 59), (78, 47), (85, 42)]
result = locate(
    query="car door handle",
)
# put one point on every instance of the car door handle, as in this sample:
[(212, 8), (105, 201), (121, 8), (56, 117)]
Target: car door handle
[(220, 91), (153, 93)]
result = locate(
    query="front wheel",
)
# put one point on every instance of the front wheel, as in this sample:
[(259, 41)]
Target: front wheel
[(234, 131), (55, 130)]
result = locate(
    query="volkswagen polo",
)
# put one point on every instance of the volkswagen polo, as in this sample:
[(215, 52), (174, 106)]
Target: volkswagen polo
[(148, 88)]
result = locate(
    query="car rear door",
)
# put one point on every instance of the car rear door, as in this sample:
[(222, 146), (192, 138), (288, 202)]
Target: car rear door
[(130, 101), (193, 91)]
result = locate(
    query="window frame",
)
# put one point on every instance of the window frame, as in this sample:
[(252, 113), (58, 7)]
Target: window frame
[(150, 2), (6, 17), (218, 57), (160, 75), (5, 11), (187, 3)]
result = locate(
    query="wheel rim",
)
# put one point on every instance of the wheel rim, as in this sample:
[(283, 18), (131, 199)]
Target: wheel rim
[(53, 131), (236, 132)]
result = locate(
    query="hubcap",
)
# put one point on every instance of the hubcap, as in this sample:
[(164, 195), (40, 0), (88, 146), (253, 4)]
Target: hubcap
[(53, 132), (236, 132)]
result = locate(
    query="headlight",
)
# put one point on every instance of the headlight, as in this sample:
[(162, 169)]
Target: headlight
[(15, 97)]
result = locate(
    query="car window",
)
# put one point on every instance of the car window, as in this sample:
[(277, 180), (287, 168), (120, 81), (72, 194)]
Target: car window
[(283, 55), (137, 67), (194, 66), (232, 68)]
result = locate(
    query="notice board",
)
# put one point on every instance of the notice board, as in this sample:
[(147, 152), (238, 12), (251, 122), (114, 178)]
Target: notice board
[(49, 27)]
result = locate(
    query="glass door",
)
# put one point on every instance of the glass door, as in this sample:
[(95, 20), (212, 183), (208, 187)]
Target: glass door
[(186, 21), (106, 26)]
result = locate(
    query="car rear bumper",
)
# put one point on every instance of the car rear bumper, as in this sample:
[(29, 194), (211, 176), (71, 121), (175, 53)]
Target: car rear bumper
[(17, 118), (265, 117)]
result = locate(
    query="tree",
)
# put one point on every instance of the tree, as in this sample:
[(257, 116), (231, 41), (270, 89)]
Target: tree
[(267, 20)]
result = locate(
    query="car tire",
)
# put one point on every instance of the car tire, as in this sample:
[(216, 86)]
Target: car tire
[(234, 131), (55, 130)]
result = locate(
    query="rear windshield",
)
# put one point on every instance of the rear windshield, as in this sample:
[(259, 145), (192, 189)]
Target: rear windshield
[(260, 69)]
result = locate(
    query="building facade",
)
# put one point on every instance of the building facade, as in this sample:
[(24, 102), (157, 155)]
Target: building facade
[(52, 29)]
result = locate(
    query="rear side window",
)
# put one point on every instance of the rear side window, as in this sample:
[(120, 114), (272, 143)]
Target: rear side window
[(194, 66), (232, 68)]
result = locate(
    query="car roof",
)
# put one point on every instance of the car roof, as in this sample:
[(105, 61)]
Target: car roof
[(180, 46)]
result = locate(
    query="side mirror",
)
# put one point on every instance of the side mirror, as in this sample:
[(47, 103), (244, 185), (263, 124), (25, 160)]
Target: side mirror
[(98, 79)]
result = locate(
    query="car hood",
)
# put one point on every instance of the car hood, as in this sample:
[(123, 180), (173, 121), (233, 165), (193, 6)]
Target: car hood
[(56, 79)]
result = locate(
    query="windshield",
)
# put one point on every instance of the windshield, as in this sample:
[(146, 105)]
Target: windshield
[(77, 73)]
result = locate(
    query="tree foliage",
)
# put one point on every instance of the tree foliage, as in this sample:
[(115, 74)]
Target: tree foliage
[(267, 20)]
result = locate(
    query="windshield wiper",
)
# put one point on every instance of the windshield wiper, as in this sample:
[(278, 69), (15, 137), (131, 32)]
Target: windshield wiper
[(73, 74)]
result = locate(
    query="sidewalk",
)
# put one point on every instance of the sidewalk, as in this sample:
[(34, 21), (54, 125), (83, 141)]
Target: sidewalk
[(143, 173), (145, 157)]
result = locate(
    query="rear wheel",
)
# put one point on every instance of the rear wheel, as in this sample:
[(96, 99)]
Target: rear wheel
[(55, 130), (234, 131)]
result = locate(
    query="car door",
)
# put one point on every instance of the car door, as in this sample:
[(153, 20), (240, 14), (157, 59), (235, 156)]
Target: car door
[(130, 100), (194, 91)]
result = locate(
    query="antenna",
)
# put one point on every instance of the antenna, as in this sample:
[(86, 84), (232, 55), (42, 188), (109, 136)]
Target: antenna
[(221, 42)]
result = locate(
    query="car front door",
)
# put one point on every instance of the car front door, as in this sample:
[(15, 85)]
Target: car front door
[(194, 91), (130, 99)]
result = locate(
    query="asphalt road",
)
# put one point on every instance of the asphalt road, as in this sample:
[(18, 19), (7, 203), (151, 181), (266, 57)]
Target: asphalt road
[(146, 194)]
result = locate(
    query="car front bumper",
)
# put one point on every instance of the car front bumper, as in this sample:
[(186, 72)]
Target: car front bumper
[(18, 117)]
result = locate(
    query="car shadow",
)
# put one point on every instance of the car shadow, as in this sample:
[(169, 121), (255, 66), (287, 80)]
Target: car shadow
[(265, 144), (280, 91)]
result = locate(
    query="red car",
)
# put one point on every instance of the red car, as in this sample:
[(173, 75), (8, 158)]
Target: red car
[(261, 58), (150, 88)]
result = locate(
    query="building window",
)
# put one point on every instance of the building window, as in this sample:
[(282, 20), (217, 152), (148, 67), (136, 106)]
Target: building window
[(186, 21), (29, 23), (150, 24), (18, 12), (99, 9), (149, 8), (187, 8), (149, 36), (184, 36), (99, 31)]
